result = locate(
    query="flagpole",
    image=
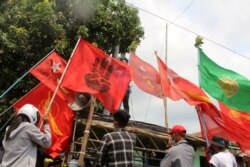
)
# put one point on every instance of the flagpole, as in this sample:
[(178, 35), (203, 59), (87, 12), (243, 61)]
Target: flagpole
[(60, 81), (5, 111), (19, 79), (165, 102), (86, 132), (198, 109), (164, 98), (198, 43), (204, 132)]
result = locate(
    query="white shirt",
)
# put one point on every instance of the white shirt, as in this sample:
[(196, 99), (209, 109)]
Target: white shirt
[(223, 159)]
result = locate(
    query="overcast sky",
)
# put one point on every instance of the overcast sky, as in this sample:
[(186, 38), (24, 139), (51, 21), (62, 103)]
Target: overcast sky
[(223, 24)]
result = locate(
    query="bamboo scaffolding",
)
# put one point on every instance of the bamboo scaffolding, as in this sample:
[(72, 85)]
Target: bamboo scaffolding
[(133, 129), (151, 139), (86, 132)]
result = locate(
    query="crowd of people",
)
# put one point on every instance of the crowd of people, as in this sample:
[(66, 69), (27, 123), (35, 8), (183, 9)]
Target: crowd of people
[(23, 137)]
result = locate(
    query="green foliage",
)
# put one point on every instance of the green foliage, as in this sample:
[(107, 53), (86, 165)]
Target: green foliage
[(132, 47), (116, 23), (198, 42), (30, 29), (83, 31)]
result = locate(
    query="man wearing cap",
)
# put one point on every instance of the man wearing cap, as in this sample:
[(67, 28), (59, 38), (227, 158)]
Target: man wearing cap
[(181, 154), (222, 157)]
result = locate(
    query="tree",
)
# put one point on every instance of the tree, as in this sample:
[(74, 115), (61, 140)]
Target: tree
[(30, 29), (116, 25)]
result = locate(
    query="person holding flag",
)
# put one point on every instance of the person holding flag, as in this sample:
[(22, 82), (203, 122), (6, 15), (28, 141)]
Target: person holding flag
[(22, 137)]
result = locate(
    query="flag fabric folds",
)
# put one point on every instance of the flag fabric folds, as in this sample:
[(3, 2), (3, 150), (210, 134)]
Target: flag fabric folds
[(60, 117), (177, 88), (145, 76), (242, 118), (49, 72), (228, 126), (167, 75), (92, 71), (224, 85)]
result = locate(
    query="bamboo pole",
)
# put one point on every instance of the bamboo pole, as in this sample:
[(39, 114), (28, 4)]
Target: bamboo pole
[(86, 132), (72, 145), (165, 101), (59, 82), (132, 129)]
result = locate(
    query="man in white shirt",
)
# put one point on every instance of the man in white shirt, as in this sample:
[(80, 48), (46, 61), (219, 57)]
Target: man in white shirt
[(222, 156)]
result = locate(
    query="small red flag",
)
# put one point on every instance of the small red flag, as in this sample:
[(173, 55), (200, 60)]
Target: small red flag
[(176, 87), (49, 72), (167, 75), (92, 71), (145, 76), (226, 126), (40, 97), (238, 121)]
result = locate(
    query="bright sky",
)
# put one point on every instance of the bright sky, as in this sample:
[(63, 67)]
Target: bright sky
[(223, 24)]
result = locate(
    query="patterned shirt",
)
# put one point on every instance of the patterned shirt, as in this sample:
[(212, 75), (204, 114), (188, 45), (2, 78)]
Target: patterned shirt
[(117, 149)]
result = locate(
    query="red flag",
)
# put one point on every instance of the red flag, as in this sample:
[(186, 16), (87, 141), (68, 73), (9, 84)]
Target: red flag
[(40, 97), (166, 76), (49, 72), (176, 87), (240, 122), (145, 76), (226, 127), (242, 118), (92, 71)]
